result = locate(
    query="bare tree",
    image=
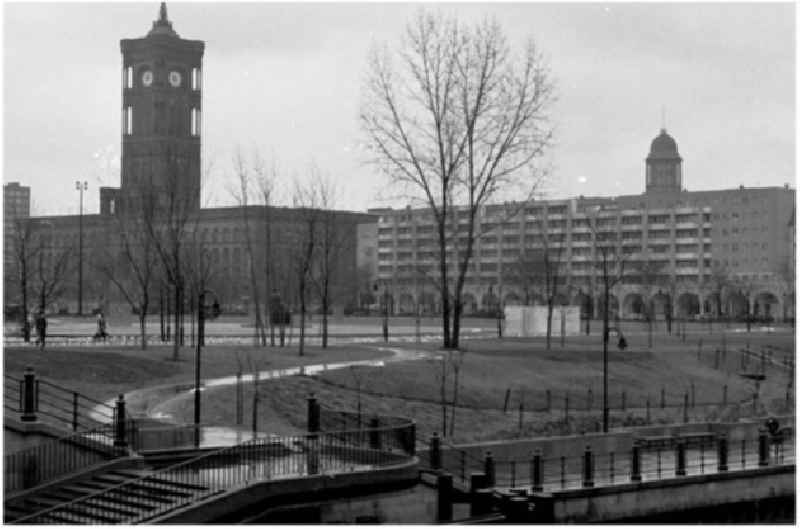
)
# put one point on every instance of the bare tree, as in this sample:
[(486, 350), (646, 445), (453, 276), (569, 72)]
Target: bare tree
[(131, 262), (459, 121), (718, 280), (611, 267), (24, 250), (306, 202), (168, 229), (51, 267), (331, 242), (242, 194), (649, 274)]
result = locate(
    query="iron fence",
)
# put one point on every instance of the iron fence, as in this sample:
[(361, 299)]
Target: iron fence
[(50, 460)]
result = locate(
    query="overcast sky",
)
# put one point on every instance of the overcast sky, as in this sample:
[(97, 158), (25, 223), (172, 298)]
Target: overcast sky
[(285, 79)]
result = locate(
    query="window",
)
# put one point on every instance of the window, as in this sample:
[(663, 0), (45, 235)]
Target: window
[(195, 79), (127, 76), (658, 219), (111, 206), (127, 120), (195, 126)]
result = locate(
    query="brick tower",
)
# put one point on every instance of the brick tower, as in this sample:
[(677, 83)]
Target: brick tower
[(161, 96)]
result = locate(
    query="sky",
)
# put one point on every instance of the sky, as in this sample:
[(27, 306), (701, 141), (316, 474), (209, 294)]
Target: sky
[(284, 80)]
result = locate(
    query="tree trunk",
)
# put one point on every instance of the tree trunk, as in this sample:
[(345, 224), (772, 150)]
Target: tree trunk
[(302, 320), (143, 326), (549, 320), (177, 340), (325, 321), (456, 324)]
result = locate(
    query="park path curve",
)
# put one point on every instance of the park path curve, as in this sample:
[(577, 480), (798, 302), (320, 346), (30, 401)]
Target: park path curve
[(151, 401)]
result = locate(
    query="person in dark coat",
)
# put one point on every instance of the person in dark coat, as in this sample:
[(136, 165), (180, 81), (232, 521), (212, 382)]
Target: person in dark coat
[(41, 329)]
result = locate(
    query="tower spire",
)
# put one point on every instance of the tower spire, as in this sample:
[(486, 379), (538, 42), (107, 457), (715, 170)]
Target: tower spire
[(162, 26)]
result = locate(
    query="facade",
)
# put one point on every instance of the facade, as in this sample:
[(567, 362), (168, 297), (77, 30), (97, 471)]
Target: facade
[(690, 253), (161, 99)]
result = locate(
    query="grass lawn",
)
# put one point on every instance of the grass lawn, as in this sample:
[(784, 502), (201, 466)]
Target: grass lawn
[(490, 367), (104, 372)]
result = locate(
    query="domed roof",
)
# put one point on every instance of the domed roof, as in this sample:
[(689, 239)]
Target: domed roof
[(664, 146)]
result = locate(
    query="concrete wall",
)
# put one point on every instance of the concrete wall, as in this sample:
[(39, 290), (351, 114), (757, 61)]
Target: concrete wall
[(651, 498), (252, 494)]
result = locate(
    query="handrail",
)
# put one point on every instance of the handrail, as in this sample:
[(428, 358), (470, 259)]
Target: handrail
[(62, 404), (216, 471)]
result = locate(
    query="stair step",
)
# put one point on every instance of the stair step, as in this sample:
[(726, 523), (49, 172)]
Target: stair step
[(144, 495), (135, 473), (85, 511), (110, 506)]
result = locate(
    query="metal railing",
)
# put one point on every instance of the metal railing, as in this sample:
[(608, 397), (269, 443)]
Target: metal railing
[(57, 404), (591, 469), (53, 459), (269, 458)]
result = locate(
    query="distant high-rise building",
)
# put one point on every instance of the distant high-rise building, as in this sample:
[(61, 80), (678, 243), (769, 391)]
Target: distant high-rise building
[(16, 206)]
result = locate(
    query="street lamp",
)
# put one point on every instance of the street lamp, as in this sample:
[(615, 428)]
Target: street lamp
[(200, 338), (81, 187), (385, 312)]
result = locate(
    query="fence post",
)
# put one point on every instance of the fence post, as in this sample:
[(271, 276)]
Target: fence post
[(663, 398), (436, 452), (588, 468), (537, 470), (623, 400), (693, 401), (725, 395), (763, 448), (74, 411), (488, 469), (29, 395), (444, 497), (589, 399), (686, 407), (374, 434), (755, 402), (119, 426), (566, 407), (722, 453), (636, 462), (313, 424), (521, 411), (680, 459), (647, 418)]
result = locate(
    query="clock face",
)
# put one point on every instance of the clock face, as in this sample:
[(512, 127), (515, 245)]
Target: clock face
[(147, 78), (175, 79)]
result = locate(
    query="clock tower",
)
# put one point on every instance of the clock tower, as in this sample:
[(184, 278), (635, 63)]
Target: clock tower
[(161, 96)]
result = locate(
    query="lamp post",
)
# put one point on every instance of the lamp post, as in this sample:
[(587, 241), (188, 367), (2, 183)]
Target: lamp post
[(81, 187), (200, 338), (385, 313)]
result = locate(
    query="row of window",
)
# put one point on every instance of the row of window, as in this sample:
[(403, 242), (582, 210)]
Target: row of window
[(127, 121)]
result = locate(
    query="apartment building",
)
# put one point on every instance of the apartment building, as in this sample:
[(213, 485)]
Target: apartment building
[(690, 253)]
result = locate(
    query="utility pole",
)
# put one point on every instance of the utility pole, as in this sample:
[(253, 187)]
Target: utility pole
[(81, 187)]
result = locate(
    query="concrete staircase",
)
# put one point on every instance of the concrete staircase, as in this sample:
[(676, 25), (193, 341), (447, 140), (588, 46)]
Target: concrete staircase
[(134, 496)]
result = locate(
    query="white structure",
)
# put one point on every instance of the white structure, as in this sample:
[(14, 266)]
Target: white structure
[(526, 321)]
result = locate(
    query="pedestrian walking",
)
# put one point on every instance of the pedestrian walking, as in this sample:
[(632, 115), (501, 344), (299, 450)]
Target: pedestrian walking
[(101, 327), (41, 329)]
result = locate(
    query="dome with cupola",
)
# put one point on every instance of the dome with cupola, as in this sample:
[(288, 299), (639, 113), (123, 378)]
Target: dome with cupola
[(663, 146)]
